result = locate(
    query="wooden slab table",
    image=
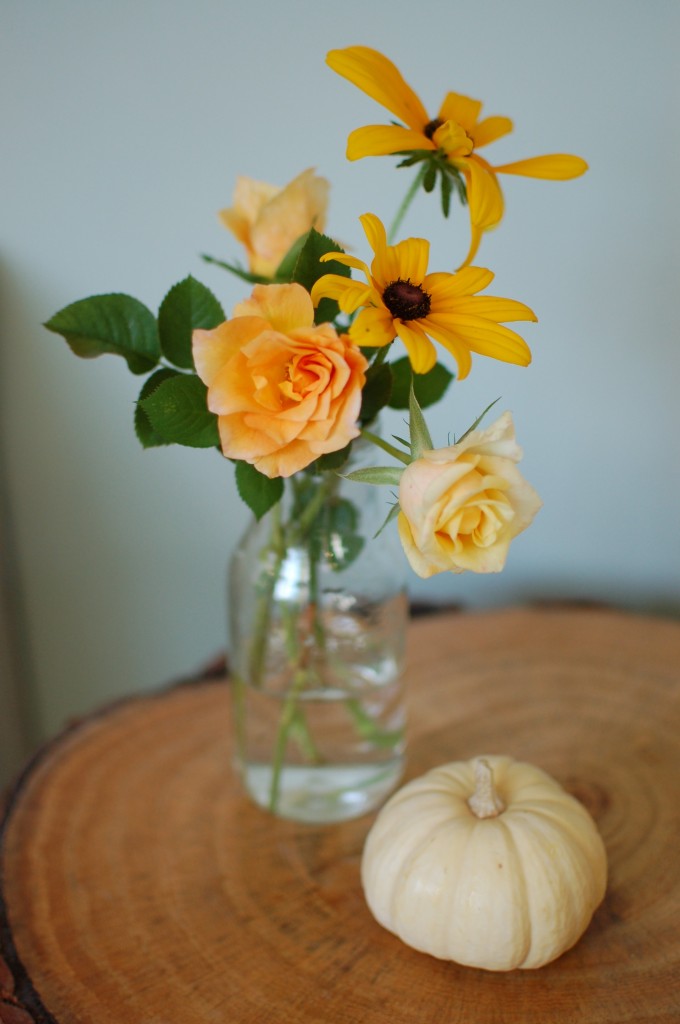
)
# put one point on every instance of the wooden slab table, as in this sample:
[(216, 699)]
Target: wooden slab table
[(139, 885)]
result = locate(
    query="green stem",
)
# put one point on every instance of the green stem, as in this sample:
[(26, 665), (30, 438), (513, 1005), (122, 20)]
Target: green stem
[(386, 446), (367, 728), (314, 505), (302, 735), (406, 202), (258, 643), (293, 723), (305, 655), (381, 355), (314, 601), (288, 718)]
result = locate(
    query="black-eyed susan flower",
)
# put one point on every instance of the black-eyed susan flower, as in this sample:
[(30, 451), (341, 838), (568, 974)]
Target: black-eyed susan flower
[(400, 299), (456, 133)]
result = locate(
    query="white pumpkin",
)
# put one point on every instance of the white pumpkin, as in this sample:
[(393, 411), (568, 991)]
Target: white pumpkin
[(488, 862)]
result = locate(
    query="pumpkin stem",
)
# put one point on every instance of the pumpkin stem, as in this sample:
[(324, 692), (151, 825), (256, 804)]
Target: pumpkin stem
[(485, 801)]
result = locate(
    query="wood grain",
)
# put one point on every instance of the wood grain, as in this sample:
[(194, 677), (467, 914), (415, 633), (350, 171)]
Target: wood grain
[(139, 885)]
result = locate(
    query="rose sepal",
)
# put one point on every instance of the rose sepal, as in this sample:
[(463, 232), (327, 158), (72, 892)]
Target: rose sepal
[(378, 475), (420, 438)]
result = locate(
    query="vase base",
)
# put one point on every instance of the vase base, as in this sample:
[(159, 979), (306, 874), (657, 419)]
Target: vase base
[(323, 794)]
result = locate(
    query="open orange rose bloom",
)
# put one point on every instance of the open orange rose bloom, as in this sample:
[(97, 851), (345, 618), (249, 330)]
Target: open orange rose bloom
[(284, 391)]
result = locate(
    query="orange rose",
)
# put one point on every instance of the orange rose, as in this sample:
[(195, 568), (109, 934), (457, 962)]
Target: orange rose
[(462, 505), (267, 219), (284, 391)]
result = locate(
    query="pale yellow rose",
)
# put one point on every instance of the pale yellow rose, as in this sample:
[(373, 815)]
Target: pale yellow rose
[(462, 505), (284, 391), (267, 219)]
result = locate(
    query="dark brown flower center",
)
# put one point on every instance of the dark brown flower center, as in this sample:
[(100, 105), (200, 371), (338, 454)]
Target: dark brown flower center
[(431, 127), (406, 301)]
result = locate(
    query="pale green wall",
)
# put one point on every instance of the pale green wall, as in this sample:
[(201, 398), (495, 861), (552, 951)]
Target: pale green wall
[(123, 127)]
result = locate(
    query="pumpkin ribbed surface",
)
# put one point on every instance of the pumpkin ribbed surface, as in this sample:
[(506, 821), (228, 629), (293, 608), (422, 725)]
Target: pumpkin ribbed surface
[(515, 890)]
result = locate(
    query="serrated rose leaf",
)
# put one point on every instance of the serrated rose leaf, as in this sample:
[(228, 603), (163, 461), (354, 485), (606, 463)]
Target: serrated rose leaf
[(178, 411), (187, 306), (117, 324)]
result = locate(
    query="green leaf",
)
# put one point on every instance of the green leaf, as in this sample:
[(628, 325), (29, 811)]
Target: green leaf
[(187, 306), (343, 515), (308, 267), (420, 435), (327, 311), (303, 265), (286, 268), (148, 437), (429, 387), (177, 410), (341, 555), (390, 475), (376, 392), (259, 492), (116, 324), (342, 544)]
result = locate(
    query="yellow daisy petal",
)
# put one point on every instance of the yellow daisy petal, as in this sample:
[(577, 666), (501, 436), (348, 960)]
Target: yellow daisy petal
[(485, 198), (405, 261), (372, 328), (413, 255), (486, 338), (421, 352), (495, 308), (476, 235), (346, 260), (452, 343), (383, 139), (377, 76), (461, 109), (446, 287), (374, 229), (349, 295), (556, 167), (490, 129)]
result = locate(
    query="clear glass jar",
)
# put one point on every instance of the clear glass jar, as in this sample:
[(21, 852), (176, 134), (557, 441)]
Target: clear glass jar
[(318, 612)]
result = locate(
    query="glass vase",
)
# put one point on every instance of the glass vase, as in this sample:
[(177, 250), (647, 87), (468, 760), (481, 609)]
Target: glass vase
[(318, 612)]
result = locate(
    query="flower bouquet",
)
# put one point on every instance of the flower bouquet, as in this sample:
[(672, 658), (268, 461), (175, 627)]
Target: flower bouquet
[(289, 389)]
